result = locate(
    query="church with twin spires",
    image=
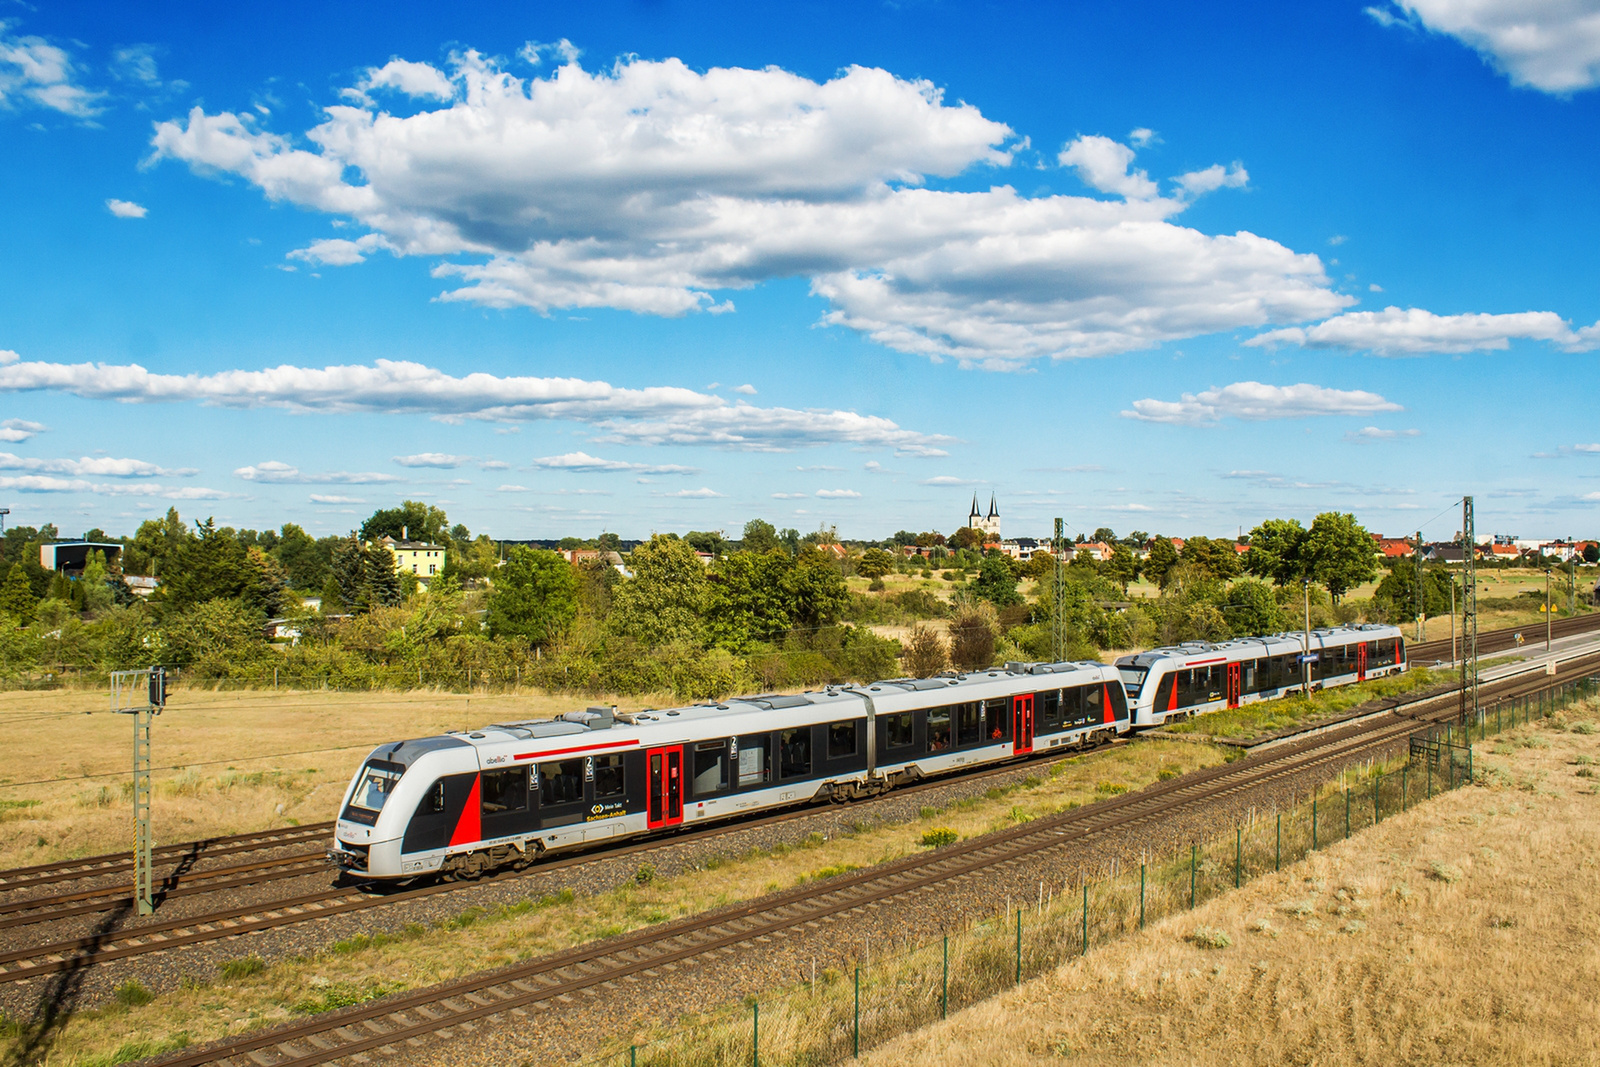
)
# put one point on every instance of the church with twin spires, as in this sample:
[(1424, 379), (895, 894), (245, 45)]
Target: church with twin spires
[(988, 525)]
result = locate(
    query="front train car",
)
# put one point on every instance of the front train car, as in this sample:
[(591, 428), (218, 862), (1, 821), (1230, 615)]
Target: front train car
[(402, 789)]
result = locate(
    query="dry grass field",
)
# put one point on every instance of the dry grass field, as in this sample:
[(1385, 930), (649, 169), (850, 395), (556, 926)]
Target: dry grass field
[(1463, 932), (233, 761)]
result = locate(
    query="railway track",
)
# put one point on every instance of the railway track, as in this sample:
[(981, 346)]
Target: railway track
[(519, 991), (1502, 640)]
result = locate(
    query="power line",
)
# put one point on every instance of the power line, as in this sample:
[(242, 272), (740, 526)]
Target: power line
[(186, 766)]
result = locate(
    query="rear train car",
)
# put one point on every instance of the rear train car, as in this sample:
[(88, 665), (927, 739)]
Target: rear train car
[(464, 803), (1167, 684)]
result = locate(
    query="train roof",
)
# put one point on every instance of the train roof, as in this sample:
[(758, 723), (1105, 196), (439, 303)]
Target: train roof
[(1290, 640), (753, 713)]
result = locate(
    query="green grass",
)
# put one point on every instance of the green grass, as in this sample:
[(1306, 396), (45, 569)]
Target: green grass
[(1270, 716)]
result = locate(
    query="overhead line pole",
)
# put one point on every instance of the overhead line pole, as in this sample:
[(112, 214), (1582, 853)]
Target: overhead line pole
[(1469, 612), (1058, 618), (141, 694), (1421, 597)]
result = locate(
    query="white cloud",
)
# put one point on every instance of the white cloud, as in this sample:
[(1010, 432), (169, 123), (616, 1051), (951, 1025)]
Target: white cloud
[(838, 494), (1103, 164), (93, 466), (44, 483), (947, 479), (652, 415), (585, 463), (13, 431), (441, 460), (127, 209), (695, 494), (1253, 401), (1337, 239), (1212, 178), (278, 473), (789, 496), (136, 64), (1551, 45), (1413, 331), (331, 498), (1373, 433), (1142, 137), (37, 73), (1374, 287), (650, 187), (416, 80), (494, 465), (747, 390)]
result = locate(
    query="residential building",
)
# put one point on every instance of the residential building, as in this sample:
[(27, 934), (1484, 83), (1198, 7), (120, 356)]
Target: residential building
[(419, 558)]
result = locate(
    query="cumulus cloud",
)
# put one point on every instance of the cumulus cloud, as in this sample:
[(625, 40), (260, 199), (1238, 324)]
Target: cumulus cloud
[(333, 498), (1373, 433), (747, 390), (127, 209), (441, 460), (1412, 331), (35, 73), (948, 479), (652, 415), (1212, 178), (654, 188), (1254, 402), (702, 493), (93, 466), (13, 431), (46, 483), (838, 494), (587, 464), (789, 496), (278, 473), (1551, 45)]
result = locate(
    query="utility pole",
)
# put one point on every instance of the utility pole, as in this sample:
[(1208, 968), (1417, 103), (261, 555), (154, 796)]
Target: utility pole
[(1421, 598), (141, 694), (1469, 613), (1547, 609), (1058, 618)]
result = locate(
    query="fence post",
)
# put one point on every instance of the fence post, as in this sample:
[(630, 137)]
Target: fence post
[(633, 1056), (755, 1034), (1238, 853), (1019, 948), (944, 985), (856, 1053), (1141, 894), (1277, 854), (1430, 777), (1194, 855), (1086, 918)]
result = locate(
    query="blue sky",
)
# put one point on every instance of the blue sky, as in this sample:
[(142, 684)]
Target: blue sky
[(660, 266)]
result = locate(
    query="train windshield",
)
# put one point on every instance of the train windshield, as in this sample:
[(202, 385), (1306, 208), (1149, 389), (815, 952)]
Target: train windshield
[(378, 779), (1132, 678)]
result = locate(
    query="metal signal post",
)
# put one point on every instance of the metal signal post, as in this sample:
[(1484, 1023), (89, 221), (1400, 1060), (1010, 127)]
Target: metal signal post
[(141, 694), (1469, 613), (1058, 618)]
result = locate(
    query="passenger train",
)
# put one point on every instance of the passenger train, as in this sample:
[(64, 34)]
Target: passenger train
[(463, 803)]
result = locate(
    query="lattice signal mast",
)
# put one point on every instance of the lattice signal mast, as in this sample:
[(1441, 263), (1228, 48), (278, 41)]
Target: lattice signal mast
[(1469, 614), (141, 694), (1058, 618), (1422, 596)]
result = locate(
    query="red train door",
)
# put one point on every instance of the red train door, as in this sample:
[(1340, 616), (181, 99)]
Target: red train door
[(1233, 685), (1361, 662), (665, 805), (1022, 724)]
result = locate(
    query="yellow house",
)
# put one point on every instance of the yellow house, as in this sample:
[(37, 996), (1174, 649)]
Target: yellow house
[(415, 557)]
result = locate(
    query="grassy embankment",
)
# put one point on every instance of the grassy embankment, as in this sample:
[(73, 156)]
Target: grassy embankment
[(249, 993)]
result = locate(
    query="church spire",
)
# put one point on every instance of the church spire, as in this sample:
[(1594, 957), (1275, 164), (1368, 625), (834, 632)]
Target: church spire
[(994, 511)]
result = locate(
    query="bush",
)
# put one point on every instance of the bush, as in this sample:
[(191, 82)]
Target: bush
[(243, 967), (132, 993), (939, 836), (1209, 937), (924, 654), (644, 875)]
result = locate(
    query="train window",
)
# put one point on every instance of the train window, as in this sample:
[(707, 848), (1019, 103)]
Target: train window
[(433, 801), (794, 753), (1132, 678), (608, 781), (969, 724), (841, 740), (999, 715), (1093, 710), (560, 782), (938, 729), (377, 782), (1119, 703), (755, 765), (1071, 707), (901, 730), (1050, 710), (710, 767), (507, 790)]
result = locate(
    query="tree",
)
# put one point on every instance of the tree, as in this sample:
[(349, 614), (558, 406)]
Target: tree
[(972, 637), (665, 601), (268, 592), (218, 630), (412, 519), (996, 583), (759, 536), (1339, 552), (381, 585), (749, 598), (874, 563), (1163, 557), (16, 596), (305, 561), (535, 596), (903, 537), (790, 538), (1215, 556), (708, 541), (97, 597), (1105, 535), (1277, 551), (1251, 609), (1122, 568), (1591, 552), (924, 654), (348, 573), (966, 537), (815, 591), (208, 566), (1396, 595)]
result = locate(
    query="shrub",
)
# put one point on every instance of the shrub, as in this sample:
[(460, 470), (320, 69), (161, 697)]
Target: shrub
[(132, 993), (1166, 774), (924, 654), (1443, 872), (644, 875), (939, 836), (243, 967), (1110, 789), (1209, 937)]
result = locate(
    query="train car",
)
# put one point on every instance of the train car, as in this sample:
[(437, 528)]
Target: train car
[(467, 802), (1167, 684)]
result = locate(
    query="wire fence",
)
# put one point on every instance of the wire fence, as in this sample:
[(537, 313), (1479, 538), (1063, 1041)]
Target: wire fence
[(861, 999)]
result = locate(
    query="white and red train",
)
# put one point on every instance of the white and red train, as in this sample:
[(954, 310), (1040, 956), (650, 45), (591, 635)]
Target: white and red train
[(467, 802)]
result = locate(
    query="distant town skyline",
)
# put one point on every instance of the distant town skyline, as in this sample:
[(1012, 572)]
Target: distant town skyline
[(678, 266)]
